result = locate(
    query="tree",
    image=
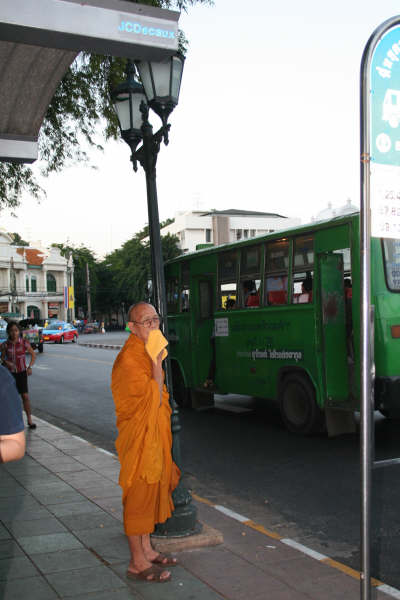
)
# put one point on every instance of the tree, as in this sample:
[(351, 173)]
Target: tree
[(17, 240), (80, 109), (124, 273)]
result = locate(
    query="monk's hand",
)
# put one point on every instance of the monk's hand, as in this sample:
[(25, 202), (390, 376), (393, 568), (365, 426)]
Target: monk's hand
[(158, 373)]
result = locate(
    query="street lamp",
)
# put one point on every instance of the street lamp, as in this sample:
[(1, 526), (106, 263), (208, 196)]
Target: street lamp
[(161, 85)]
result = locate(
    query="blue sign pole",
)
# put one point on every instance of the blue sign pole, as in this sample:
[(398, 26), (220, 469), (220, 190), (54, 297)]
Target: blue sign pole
[(379, 153)]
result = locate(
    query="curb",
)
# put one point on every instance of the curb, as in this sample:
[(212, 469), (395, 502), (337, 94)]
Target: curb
[(107, 346), (375, 583)]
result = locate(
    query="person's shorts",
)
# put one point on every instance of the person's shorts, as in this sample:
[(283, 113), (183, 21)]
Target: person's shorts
[(21, 379)]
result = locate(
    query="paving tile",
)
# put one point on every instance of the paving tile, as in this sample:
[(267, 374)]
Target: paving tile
[(16, 567), (53, 562), (4, 533), (43, 486), (35, 527), (183, 586), (19, 502), (337, 587), (111, 473), (111, 505), (299, 571), (14, 513), (9, 548), (11, 489), (32, 588), (110, 543), (74, 508), (122, 594), (61, 497), (70, 583), (51, 542), (84, 478), (105, 490), (89, 521)]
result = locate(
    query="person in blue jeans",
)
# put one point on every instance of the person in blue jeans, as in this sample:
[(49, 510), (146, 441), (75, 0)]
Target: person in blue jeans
[(12, 434)]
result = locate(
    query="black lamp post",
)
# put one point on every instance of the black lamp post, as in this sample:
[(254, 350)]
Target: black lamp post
[(160, 91)]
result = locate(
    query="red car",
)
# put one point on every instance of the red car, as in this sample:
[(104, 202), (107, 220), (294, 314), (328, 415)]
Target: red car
[(60, 333)]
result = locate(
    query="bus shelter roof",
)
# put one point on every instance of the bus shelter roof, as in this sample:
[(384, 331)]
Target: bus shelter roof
[(39, 41)]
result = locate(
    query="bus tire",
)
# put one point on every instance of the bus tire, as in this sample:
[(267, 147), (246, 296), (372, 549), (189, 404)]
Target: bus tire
[(180, 391), (299, 410)]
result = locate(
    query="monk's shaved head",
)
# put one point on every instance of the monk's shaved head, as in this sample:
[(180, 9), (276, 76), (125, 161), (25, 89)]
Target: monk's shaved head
[(138, 315), (135, 309)]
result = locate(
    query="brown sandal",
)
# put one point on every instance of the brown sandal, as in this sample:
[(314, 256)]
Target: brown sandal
[(166, 560), (144, 575)]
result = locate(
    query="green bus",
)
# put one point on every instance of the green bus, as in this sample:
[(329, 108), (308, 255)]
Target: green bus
[(277, 316)]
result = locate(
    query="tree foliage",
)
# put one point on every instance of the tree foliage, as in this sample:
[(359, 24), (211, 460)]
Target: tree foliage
[(17, 240), (80, 111), (121, 278)]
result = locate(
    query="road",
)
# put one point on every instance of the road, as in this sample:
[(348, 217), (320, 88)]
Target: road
[(239, 455)]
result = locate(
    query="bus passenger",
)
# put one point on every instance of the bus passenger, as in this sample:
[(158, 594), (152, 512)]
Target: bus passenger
[(250, 293), (230, 303), (306, 290)]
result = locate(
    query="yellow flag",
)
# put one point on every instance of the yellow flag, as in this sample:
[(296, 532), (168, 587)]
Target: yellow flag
[(71, 298)]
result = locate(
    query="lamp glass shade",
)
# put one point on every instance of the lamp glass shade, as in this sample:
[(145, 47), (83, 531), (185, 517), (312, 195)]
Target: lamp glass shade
[(127, 107), (144, 68), (176, 77)]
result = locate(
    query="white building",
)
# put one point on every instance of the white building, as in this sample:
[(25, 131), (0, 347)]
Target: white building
[(330, 212), (196, 228), (32, 280)]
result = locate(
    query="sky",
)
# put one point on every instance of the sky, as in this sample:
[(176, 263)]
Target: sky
[(268, 120)]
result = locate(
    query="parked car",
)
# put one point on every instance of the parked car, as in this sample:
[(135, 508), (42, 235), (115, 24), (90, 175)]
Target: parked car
[(60, 333), (91, 328), (32, 331)]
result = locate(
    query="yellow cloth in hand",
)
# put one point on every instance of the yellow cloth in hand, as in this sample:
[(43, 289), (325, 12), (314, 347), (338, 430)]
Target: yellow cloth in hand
[(155, 344)]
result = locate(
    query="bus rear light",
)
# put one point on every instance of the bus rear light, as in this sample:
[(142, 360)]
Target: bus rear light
[(395, 329)]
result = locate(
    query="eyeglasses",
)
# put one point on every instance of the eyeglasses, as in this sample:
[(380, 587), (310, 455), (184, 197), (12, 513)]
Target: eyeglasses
[(148, 322)]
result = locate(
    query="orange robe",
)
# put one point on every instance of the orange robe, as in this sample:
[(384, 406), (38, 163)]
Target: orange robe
[(148, 475)]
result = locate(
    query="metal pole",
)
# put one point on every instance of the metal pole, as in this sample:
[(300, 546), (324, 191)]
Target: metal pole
[(89, 302), (183, 521), (366, 350)]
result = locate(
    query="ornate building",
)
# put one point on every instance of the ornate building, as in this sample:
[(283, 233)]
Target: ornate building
[(33, 280)]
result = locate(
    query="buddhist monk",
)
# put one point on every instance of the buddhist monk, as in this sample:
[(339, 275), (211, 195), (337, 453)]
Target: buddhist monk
[(148, 475)]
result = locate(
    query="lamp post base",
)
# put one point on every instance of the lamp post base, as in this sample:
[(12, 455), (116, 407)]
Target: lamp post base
[(183, 521)]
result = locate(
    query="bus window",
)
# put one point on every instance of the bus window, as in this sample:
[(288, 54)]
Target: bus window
[(227, 281), (391, 254), (172, 289), (185, 288), (303, 275), (276, 267), (250, 266)]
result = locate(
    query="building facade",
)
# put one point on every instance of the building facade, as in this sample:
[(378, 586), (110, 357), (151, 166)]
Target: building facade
[(196, 229), (33, 281)]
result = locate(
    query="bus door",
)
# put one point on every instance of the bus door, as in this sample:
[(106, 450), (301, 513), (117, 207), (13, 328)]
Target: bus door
[(203, 341), (333, 331)]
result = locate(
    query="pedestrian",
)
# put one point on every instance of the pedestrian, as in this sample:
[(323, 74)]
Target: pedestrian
[(12, 435), (148, 474), (13, 352)]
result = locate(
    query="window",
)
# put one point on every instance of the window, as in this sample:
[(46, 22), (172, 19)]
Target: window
[(252, 232), (303, 274), (27, 283), (227, 280), (51, 283), (245, 233), (172, 288), (391, 255), (33, 283), (276, 272), (238, 234), (250, 269), (208, 236), (185, 288)]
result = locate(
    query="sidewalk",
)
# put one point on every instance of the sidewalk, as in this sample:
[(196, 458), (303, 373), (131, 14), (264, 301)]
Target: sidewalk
[(61, 536)]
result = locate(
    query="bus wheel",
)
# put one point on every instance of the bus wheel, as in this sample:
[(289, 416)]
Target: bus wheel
[(299, 410), (181, 392)]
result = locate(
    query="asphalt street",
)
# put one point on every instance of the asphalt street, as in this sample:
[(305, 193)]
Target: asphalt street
[(239, 455)]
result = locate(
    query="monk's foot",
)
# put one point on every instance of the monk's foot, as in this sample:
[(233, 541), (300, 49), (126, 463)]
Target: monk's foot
[(150, 573)]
